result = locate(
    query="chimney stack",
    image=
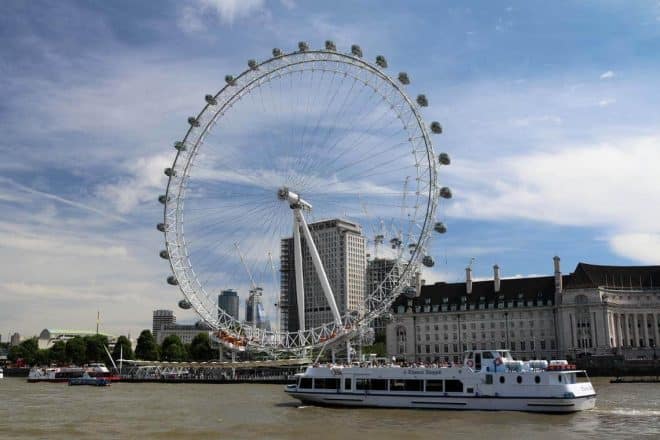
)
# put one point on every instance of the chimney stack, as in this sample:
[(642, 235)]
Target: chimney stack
[(558, 282), (496, 274), (468, 280)]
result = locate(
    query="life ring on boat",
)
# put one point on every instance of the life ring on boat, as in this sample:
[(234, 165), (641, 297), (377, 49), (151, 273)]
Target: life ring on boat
[(498, 361), (470, 363)]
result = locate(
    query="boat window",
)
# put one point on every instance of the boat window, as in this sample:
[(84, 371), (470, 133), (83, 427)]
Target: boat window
[(397, 385), (361, 384), (537, 379), (559, 378), (489, 379), (326, 384), (502, 379), (581, 377), (378, 384), (347, 384), (487, 355), (305, 382), (434, 386), (453, 386), (519, 379), (413, 385)]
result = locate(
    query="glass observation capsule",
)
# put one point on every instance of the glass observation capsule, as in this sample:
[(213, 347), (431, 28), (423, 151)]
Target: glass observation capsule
[(445, 193)]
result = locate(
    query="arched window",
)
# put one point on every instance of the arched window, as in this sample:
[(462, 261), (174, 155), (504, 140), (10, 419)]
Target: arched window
[(401, 339)]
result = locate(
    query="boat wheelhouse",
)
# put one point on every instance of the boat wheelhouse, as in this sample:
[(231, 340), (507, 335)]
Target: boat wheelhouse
[(487, 380)]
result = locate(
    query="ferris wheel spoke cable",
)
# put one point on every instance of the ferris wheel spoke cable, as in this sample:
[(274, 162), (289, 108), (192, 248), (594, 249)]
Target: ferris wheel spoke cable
[(331, 127)]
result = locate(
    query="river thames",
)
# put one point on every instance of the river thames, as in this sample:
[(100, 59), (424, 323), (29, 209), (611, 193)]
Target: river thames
[(168, 411)]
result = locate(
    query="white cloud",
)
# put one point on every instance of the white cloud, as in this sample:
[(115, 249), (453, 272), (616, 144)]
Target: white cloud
[(195, 15), (606, 102), (144, 182), (607, 75), (612, 185), (641, 247)]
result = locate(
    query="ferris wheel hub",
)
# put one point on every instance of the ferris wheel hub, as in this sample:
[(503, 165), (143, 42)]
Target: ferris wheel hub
[(294, 200)]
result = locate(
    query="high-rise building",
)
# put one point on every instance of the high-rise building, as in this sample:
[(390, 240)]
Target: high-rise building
[(229, 302), (342, 249), (162, 318), (15, 339), (382, 273), (254, 305)]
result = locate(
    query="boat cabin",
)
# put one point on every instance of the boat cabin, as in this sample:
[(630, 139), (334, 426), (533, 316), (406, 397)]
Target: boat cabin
[(486, 360)]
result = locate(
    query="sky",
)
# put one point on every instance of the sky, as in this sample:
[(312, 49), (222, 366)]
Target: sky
[(550, 113)]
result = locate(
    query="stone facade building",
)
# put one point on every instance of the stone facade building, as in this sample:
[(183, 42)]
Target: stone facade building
[(596, 310)]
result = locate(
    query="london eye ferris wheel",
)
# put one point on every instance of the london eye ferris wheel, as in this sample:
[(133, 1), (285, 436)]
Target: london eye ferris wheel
[(292, 178)]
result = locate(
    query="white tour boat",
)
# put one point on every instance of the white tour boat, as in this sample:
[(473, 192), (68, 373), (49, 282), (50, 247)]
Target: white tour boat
[(1, 373), (487, 380)]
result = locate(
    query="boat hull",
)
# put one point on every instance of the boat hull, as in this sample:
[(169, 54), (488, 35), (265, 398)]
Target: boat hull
[(481, 403)]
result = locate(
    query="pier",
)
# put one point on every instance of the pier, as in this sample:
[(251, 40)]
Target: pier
[(269, 371)]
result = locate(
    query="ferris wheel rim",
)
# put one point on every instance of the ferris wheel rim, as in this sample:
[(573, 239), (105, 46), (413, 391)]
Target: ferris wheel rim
[(199, 135)]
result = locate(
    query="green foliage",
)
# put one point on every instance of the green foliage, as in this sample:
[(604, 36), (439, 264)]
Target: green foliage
[(378, 348), (123, 348), (76, 350), (200, 348), (173, 350), (146, 348), (94, 348), (26, 350), (58, 353), (42, 357)]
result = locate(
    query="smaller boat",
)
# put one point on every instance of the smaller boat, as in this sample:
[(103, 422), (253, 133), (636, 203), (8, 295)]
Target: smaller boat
[(86, 379)]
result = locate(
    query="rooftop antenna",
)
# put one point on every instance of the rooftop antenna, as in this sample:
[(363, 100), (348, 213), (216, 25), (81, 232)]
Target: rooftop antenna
[(98, 318), (472, 260)]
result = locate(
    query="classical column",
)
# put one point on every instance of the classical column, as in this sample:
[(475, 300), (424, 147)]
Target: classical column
[(635, 323), (656, 324), (646, 329), (626, 329)]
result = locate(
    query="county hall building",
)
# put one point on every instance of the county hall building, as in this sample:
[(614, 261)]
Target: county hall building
[(596, 310)]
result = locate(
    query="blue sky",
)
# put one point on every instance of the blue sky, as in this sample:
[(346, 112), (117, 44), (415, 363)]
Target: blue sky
[(550, 110)]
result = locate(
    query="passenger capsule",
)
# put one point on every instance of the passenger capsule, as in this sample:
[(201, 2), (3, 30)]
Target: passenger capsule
[(440, 228), (443, 158), (185, 304), (436, 127), (422, 101), (252, 64), (193, 121), (445, 193), (210, 100), (172, 280), (330, 45), (164, 255), (428, 261), (277, 52), (180, 146), (229, 79), (403, 78), (161, 227), (170, 172), (163, 199), (303, 46), (381, 61), (356, 51)]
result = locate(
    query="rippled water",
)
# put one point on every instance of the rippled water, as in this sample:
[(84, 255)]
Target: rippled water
[(164, 411)]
